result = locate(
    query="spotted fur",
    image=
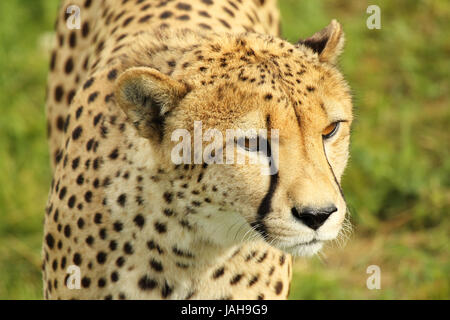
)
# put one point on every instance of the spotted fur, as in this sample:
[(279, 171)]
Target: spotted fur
[(139, 226)]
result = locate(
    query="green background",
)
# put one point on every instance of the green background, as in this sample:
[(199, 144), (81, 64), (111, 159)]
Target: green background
[(397, 182)]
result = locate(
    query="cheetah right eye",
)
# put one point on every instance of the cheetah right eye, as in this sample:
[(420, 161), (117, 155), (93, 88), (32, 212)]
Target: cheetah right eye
[(330, 131)]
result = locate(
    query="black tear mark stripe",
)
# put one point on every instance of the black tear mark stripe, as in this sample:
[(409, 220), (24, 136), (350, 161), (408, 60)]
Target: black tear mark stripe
[(266, 204), (332, 172), (265, 207)]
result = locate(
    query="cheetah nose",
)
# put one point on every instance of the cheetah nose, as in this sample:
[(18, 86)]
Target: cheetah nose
[(313, 217)]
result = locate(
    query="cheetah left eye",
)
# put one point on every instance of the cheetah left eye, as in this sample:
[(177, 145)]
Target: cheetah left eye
[(249, 144), (330, 131)]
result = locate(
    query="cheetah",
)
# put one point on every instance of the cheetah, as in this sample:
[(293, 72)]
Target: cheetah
[(134, 224)]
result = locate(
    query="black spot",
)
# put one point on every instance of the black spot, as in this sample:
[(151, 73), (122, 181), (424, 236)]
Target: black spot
[(183, 17), (76, 133), (182, 253), (88, 83), (102, 233), (127, 21), (101, 257), (113, 245), (120, 261), (282, 259), (59, 92), (253, 280), (204, 14), (160, 227), (166, 14), (139, 200), (146, 283), (168, 212), (118, 226), (166, 290), (89, 144), (85, 282), (128, 248), (184, 6), (69, 65), (219, 272), (53, 61), (236, 279), (75, 163), (85, 29), (60, 123), (114, 276), (77, 259), (90, 240), (97, 163), (101, 282), (66, 123), (156, 265), (80, 179), (114, 154), (58, 156), (152, 245), (80, 223), (145, 18), (268, 96), (204, 26), (231, 13), (92, 97), (71, 201), (67, 231), (168, 197), (50, 240), (121, 200), (56, 215), (88, 196), (112, 74), (278, 287), (139, 220), (226, 24), (97, 118), (98, 218), (72, 39)]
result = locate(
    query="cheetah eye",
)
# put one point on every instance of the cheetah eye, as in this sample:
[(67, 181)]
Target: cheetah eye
[(330, 131), (249, 144)]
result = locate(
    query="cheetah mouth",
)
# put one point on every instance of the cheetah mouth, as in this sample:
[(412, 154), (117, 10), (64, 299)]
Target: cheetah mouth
[(308, 243), (306, 248)]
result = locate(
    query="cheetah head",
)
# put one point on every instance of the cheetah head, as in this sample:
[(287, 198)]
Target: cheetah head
[(294, 93)]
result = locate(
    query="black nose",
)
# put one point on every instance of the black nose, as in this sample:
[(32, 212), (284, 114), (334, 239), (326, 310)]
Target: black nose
[(313, 217)]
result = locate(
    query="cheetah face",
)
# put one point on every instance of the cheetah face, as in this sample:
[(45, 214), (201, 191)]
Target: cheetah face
[(295, 95)]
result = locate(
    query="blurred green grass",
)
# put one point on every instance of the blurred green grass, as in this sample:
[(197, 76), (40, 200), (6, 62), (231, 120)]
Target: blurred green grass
[(397, 183)]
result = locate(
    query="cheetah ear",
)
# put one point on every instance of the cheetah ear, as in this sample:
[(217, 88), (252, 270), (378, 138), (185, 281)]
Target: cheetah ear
[(328, 42), (147, 97)]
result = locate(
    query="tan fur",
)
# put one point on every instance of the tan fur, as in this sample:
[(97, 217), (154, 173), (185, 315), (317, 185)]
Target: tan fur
[(140, 227)]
